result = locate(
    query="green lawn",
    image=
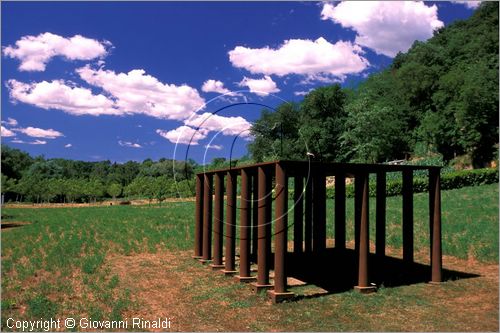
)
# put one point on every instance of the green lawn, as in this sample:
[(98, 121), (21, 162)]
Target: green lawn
[(469, 222), (57, 264)]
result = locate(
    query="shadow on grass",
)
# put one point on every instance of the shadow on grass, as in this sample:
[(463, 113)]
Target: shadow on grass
[(336, 271), (9, 225)]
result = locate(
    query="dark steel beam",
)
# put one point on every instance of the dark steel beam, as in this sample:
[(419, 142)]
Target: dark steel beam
[(435, 211), (358, 195), (207, 218), (255, 214), (245, 217), (330, 169), (229, 266), (218, 219), (198, 220), (263, 230), (280, 230)]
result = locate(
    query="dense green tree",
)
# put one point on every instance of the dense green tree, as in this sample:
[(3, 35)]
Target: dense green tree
[(14, 162), (322, 122), (74, 189), (163, 188), (45, 169), (124, 173), (372, 134), (93, 189), (7, 185), (276, 135), (142, 186)]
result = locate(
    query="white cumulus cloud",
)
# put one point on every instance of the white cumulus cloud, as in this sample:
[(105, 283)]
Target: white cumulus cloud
[(60, 95), (36, 142), (7, 132), (261, 87), (184, 135), (129, 144), (68, 145), (469, 4), (214, 86), (302, 93), (10, 122), (35, 132), (387, 27), (212, 146), (303, 57), (136, 92), (227, 125), (35, 52), (123, 94)]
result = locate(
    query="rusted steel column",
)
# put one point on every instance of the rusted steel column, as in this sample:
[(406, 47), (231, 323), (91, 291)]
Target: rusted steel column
[(230, 222), (269, 211), (280, 229), (340, 211), (263, 235), (308, 215), (245, 216), (255, 213), (198, 226), (358, 194), (408, 215), (431, 211), (435, 216), (319, 213), (207, 217), (380, 214), (218, 219), (298, 217), (364, 237)]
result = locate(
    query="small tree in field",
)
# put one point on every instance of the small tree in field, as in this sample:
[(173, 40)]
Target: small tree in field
[(162, 188), (114, 190)]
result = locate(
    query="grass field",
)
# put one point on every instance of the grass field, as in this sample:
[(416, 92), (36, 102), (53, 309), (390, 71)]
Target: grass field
[(122, 261)]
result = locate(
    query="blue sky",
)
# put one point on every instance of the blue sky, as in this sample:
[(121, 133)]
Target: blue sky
[(129, 81)]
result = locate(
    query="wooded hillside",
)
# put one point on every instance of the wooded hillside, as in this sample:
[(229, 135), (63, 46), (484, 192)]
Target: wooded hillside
[(438, 99)]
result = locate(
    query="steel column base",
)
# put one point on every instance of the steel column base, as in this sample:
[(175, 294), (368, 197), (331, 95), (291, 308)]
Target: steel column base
[(196, 257), (216, 267), (245, 279), (365, 290), (259, 288), (280, 297), (229, 273), (435, 283), (205, 261)]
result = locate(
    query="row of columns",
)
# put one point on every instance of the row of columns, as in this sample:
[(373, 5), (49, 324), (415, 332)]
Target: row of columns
[(309, 229)]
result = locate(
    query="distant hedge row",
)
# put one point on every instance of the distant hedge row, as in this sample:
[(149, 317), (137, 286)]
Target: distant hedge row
[(449, 181)]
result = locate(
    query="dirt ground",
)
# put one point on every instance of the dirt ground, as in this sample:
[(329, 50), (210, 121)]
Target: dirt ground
[(175, 286)]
